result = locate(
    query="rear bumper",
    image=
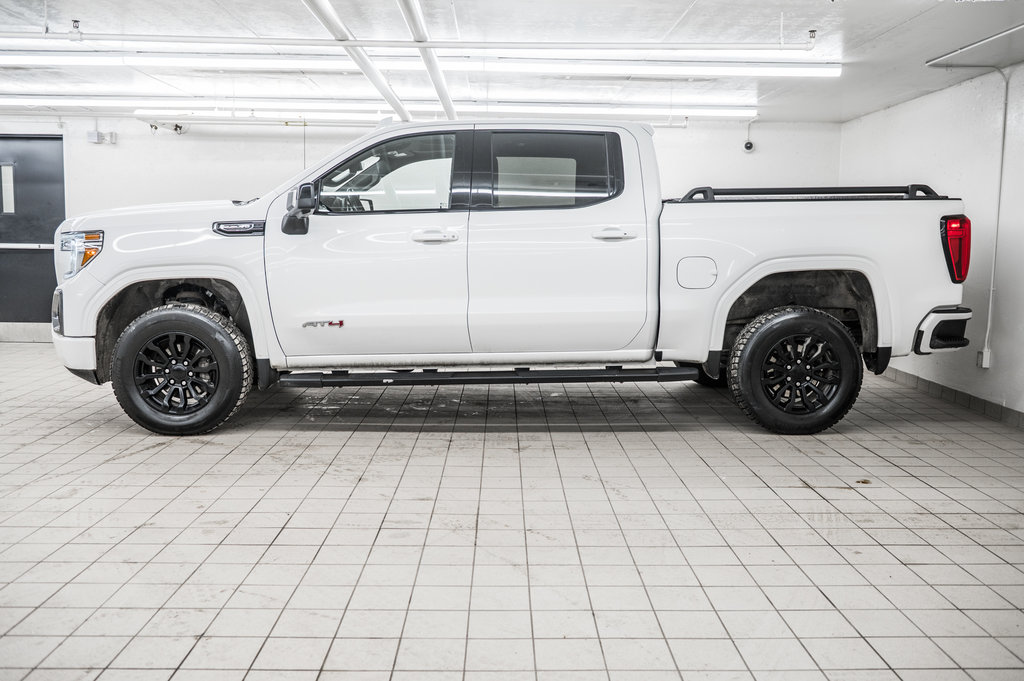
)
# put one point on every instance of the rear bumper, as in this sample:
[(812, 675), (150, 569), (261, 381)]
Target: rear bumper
[(942, 330)]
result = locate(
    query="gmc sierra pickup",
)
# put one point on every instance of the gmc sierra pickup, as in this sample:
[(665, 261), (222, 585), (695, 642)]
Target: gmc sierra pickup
[(524, 252)]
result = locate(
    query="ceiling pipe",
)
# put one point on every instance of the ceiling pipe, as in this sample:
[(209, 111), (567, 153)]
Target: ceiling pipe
[(413, 14), (977, 43), (325, 14), (350, 42)]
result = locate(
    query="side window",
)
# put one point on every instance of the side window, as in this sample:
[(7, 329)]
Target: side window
[(553, 169), (408, 173)]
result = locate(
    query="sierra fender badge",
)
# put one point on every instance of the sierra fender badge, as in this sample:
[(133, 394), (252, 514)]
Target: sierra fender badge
[(339, 323)]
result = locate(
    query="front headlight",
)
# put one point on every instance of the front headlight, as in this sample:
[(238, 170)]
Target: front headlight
[(82, 248)]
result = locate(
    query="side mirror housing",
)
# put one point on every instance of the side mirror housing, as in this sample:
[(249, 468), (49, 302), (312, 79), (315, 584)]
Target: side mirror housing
[(301, 202), (306, 200)]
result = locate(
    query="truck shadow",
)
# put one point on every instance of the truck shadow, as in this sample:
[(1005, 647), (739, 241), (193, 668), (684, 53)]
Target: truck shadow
[(578, 407)]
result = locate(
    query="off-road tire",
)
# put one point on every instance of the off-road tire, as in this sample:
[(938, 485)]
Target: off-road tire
[(201, 352), (795, 370)]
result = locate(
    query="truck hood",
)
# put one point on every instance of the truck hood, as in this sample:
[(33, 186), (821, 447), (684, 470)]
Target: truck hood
[(162, 216)]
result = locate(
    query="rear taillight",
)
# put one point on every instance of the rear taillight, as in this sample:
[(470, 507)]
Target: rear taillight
[(956, 244)]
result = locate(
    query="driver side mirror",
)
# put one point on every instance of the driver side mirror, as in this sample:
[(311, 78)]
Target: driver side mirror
[(306, 201), (301, 203)]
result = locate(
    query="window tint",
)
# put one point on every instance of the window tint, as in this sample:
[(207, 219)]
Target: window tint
[(550, 169), (408, 173)]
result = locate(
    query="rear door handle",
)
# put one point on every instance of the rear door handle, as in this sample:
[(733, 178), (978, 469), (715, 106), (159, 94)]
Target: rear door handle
[(613, 234), (434, 236)]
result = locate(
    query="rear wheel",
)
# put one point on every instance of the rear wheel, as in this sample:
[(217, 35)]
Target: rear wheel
[(181, 369), (795, 370)]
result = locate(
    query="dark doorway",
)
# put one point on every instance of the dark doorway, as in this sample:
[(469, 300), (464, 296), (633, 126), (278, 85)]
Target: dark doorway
[(31, 208)]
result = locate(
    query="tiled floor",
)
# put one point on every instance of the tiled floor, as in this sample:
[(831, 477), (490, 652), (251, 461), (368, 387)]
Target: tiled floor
[(634, 532)]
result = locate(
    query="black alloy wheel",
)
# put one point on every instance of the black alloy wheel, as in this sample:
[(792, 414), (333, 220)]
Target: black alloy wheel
[(181, 369), (795, 370), (801, 374), (175, 373)]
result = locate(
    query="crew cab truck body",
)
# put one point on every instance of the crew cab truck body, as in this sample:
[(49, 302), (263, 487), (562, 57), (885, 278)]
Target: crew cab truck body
[(462, 252)]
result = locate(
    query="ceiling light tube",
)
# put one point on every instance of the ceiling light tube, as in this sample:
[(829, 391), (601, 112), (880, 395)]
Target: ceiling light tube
[(646, 68), (102, 102), (79, 37), (262, 115), (225, 62), (621, 111), (370, 109), (671, 69)]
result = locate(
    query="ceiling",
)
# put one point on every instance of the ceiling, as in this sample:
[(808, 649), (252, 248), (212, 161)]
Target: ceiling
[(882, 46)]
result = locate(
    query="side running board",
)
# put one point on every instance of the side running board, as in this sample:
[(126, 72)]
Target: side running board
[(338, 379)]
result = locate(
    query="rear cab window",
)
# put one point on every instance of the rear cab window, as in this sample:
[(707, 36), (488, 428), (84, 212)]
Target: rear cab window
[(542, 169)]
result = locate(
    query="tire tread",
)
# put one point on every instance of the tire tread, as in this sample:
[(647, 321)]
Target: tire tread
[(230, 328), (737, 354)]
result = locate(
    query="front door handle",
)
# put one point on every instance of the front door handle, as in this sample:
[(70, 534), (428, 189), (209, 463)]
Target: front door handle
[(434, 236), (613, 234)]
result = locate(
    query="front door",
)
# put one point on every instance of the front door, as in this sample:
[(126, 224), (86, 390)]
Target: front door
[(382, 269), (558, 243)]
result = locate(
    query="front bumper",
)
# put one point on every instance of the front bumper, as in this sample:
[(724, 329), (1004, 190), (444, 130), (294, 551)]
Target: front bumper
[(77, 354), (942, 330)]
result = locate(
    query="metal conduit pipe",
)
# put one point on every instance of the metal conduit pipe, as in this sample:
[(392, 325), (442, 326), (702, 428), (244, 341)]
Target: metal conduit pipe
[(413, 14), (325, 14), (986, 350)]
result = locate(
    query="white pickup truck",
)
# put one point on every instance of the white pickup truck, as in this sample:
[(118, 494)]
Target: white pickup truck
[(508, 252)]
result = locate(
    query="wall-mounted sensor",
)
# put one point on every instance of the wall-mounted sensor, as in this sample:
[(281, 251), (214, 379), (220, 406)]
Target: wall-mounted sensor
[(748, 146)]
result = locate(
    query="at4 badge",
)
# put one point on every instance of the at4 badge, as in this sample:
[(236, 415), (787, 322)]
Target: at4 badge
[(339, 323)]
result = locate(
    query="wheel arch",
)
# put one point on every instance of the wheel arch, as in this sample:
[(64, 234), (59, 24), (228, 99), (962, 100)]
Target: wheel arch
[(135, 298), (849, 289)]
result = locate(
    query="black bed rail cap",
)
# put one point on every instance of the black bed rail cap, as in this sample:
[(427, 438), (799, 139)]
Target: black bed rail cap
[(910, 191)]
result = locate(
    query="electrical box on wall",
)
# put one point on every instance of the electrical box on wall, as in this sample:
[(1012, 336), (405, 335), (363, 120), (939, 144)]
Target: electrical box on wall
[(97, 137)]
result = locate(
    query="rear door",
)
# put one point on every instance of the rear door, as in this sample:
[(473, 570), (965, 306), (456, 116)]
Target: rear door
[(557, 242)]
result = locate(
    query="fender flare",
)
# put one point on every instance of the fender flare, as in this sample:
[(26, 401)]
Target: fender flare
[(883, 307), (264, 343)]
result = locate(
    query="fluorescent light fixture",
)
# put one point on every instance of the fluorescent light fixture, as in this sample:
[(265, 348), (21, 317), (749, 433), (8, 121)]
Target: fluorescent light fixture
[(628, 112), (667, 68), (646, 68), (550, 110), (197, 61), (311, 109), (57, 101), (612, 54), (261, 115)]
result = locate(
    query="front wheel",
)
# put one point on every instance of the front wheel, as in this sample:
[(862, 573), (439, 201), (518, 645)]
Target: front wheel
[(181, 369), (795, 370)]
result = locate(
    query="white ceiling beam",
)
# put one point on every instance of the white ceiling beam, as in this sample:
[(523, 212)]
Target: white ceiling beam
[(325, 14), (413, 14)]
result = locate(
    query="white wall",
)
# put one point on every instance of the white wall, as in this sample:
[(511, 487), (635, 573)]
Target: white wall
[(951, 140), (710, 153), (207, 162)]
